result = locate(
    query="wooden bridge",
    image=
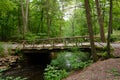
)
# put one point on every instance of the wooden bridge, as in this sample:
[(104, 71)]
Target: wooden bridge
[(57, 43), (54, 44)]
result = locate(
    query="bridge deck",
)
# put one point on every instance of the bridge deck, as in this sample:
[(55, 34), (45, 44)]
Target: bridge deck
[(54, 43)]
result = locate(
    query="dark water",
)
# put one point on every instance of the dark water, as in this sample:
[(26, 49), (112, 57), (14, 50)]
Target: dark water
[(32, 67), (31, 72)]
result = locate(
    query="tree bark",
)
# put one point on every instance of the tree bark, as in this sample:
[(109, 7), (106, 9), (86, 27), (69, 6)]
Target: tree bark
[(41, 21), (89, 23), (62, 1), (24, 16), (100, 21), (48, 18), (109, 29)]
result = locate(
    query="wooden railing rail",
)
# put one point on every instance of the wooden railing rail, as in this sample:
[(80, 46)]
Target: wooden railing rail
[(56, 42)]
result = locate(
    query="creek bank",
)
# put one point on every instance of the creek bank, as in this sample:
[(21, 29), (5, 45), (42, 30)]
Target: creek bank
[(8, 61)]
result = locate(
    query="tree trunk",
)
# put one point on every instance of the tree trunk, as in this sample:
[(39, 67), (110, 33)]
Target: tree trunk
[(100, 21), (24, 16), (62, 3), (109, 29), (73, 32), (89, 23), (48, 18), (19, 20), (41, 20)]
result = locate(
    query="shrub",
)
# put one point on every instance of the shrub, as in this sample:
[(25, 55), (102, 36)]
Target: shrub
[(30, 37), (114, 72), (115, 38), (53, 73), (13, 78), (104, 55), (1, 50), (71, 61), (66, 61)]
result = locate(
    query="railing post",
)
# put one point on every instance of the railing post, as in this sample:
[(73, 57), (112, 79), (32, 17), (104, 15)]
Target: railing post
[(56, 42), (43, 44), (23, 44), (76, 42), (33, 44), (65, 42), (53, 43)]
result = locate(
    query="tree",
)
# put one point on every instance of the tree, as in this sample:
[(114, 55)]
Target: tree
[(7, 19), (24, 16), (61, 18), (100, 21), (89, 23), (109, 29)]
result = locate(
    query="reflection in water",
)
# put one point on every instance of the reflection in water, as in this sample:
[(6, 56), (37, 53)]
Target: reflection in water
[(31, 72)]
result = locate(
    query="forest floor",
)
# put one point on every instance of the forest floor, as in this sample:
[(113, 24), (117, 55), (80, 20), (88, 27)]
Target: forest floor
[(101, 70)]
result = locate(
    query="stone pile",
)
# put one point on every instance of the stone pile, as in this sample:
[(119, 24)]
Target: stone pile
[(8, 61)]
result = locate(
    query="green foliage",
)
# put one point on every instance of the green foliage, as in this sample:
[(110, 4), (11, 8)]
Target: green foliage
[(1, 50), (71, 61), (10, 77), (7, 5), (10, 51), (66, 61), (44, 15), (1, 70), (13, 78), (104, 55), (115, 38), (30, 37), (53, 73), (116, 15), (76, 25), (114, 72)]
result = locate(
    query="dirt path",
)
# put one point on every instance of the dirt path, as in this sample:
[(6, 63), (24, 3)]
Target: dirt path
[(101, 70)]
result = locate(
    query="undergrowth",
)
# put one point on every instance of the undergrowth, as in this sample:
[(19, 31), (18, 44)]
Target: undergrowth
[(1, 50), (53, 73), (10, 77), (13, 78), (65, 63)]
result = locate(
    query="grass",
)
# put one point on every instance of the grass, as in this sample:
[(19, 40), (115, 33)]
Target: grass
[(114, 72)]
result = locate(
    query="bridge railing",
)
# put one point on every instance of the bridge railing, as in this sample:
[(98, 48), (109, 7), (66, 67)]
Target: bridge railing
[(51, 43)]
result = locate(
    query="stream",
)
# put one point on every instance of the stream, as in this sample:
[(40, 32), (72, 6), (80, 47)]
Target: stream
[(32, 67), (33, 64)]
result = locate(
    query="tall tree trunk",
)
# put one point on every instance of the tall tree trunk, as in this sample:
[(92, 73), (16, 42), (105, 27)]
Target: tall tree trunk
[(61, 17), (100, 20), (20, 28), (41, 20), (109, 29), (73, 23), (48, 18), (89, 23), (73, 26), (24, 16)]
